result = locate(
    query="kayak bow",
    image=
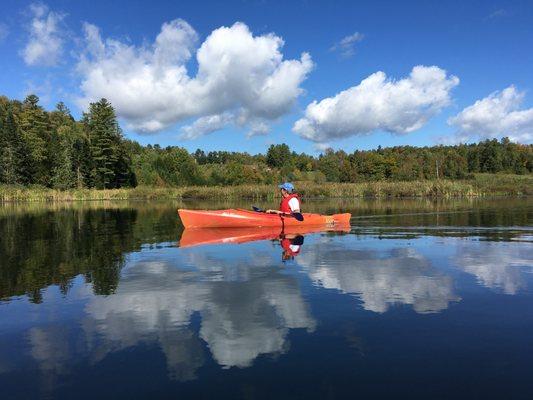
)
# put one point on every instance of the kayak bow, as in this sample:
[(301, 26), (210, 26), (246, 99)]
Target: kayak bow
[(237, 218)]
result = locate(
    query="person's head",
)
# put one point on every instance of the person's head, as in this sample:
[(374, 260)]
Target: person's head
[(286, 189)]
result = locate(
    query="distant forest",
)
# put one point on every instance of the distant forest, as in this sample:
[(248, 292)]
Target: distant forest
[(52, 149)]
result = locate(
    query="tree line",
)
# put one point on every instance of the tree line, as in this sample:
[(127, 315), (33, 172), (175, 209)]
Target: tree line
[(52, 149)]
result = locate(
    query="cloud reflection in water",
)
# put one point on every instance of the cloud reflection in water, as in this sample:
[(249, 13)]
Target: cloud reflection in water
[(245, 304), (379, 278), (245, 310), (496, 265)]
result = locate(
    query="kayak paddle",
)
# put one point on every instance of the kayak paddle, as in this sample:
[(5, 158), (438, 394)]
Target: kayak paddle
[(298, 216)]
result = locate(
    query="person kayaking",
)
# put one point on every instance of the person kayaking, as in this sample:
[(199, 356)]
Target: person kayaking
[(290, 202)]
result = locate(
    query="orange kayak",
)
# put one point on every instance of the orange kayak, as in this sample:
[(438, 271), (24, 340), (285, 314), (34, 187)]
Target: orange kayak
[(236, 218), (201, 236)]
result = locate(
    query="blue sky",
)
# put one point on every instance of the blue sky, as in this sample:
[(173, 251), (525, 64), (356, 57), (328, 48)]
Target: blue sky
[(468, 50)]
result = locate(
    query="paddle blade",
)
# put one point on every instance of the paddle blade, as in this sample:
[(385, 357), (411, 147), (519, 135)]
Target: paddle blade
[(257, 209), (298, 216)]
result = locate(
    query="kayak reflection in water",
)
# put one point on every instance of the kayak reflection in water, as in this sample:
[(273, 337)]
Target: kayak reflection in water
[(290, 239), (291, 245)]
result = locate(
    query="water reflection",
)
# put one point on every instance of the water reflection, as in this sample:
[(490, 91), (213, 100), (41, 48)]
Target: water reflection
[(250, 304), (45, 247), (153, 304), (379, 277), (241, 316), (52, 349), (496, 265), (291, 239), (88, 290), (291, 245)]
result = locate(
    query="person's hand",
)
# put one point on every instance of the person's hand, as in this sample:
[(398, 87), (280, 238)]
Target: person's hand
[(272, 211)]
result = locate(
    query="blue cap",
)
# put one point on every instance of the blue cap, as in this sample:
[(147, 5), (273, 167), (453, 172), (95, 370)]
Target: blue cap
[(289, 187)]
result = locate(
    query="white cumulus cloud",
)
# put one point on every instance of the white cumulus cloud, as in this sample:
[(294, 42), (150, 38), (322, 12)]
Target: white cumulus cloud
[(379, 103), (205, 125), (242, 79), (494, 116), (45, 43)]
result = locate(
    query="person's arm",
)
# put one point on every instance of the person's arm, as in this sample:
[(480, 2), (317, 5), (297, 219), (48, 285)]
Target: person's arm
[(276, 212), (294, 205), (280, 213)]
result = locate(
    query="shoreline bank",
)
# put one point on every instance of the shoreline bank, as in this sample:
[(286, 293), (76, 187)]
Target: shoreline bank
[(480, 185)]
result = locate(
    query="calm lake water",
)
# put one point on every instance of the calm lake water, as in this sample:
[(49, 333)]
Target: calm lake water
[(418, 299)]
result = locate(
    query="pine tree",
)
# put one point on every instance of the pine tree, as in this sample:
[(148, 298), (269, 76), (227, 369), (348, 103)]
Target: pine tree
[(105, 137), (63, 171), (12, 149), (81, 158), (124, 175), (36, 131), (62, 137)]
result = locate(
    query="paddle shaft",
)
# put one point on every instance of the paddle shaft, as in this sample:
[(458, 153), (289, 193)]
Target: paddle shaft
[(297, 216)]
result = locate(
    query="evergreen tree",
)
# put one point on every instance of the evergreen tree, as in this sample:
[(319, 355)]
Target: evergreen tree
[(12, 149), (62, 139), (124, 175), (63, 176), (35, 128), (105, 137), (81, 159)]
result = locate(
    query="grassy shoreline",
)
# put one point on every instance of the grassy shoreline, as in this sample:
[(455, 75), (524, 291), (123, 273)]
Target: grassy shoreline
[(478, 186)]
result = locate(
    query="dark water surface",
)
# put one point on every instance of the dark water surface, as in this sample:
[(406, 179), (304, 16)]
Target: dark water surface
[(419, 299)]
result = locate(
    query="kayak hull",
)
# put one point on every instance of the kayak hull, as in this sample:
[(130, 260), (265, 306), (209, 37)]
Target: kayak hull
[(237, 218)]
